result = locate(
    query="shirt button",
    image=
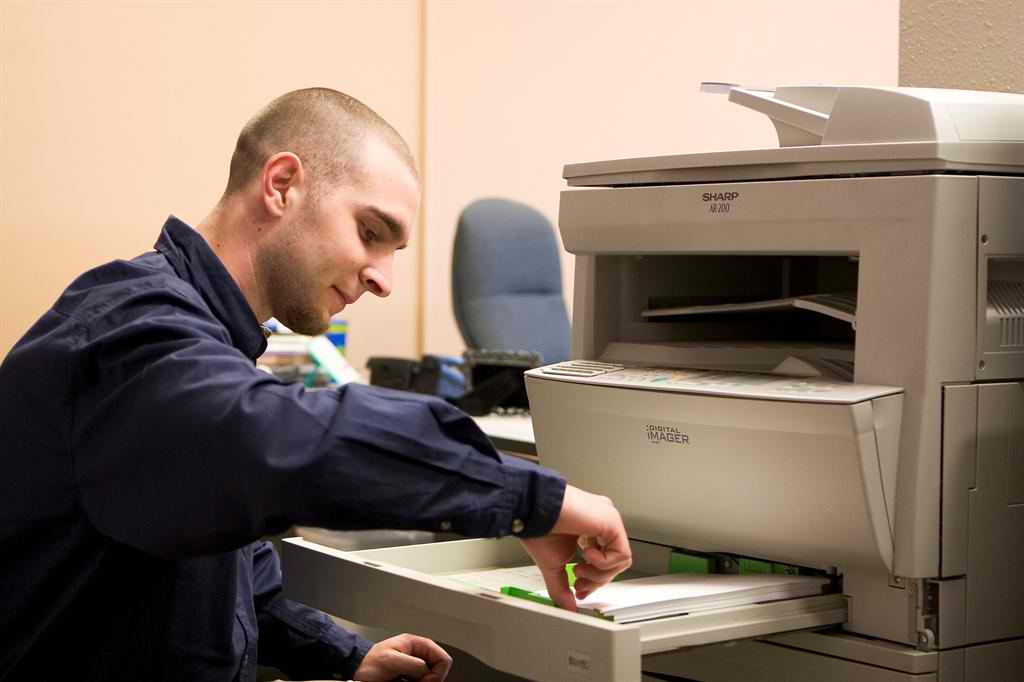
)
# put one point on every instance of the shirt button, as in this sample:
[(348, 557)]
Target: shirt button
[(446, 525), (517, 526)]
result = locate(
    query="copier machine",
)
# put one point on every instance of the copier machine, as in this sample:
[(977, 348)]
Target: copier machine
[(809, 357)]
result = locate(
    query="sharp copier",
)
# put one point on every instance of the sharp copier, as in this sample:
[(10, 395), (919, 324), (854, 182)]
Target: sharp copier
[(809, 359)]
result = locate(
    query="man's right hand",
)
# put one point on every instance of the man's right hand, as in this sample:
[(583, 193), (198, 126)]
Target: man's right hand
[(589, 516)]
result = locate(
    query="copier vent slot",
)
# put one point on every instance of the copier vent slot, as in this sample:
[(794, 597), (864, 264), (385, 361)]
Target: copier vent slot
[(1006, 308), (1000, 312), (793, 303), (1001, 318)]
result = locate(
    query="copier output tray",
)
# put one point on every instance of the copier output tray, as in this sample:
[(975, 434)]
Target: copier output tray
[(404, 589)]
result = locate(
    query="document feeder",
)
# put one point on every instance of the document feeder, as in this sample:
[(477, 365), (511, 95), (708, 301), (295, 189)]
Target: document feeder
[(874, 433)]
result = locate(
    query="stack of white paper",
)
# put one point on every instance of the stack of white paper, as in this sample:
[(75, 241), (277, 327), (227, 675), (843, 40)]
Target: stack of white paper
[(526, 578), (628, 601)]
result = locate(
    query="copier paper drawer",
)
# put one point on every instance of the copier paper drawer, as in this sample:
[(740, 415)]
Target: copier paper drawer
[(405, 589)]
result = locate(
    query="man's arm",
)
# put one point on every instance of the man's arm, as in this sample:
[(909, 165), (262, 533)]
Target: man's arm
[(181, 447)]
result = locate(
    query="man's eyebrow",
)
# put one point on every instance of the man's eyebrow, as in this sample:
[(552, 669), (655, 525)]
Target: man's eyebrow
[(395, 227)]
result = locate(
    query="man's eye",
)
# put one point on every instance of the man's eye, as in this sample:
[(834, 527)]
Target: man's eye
[(371, 236)]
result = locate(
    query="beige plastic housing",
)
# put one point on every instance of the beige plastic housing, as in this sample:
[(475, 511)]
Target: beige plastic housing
[(830, 131), (404, 589), (910, 204), (832, 115), (915, 239), (795, 482)]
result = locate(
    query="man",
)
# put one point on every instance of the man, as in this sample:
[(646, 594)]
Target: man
[(143, 455)]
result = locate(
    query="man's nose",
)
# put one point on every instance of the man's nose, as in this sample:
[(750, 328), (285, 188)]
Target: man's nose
[(377, 279)]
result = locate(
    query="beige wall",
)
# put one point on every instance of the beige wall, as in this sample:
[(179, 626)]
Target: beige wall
[(962, 44), (116, 114), (518, 89)]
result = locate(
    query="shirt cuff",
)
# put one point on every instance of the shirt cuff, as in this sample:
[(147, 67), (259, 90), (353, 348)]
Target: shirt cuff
[(351, 649), (531, 501)]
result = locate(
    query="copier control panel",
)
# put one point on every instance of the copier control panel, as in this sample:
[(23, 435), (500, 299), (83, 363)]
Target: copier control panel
[(715, 382)]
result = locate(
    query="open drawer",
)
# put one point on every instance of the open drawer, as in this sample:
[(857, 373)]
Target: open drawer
[(405, 589)]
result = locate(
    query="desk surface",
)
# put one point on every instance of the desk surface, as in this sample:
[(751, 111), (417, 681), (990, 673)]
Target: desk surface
[(512, 433)]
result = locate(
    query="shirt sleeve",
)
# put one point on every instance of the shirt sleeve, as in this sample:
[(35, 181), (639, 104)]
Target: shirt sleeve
[(301, 642), (181, 447)]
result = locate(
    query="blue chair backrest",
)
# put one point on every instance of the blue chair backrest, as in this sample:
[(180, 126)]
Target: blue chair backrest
[(507, 280)]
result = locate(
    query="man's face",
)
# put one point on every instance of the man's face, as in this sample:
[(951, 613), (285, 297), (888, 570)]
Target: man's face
[(340, 247)]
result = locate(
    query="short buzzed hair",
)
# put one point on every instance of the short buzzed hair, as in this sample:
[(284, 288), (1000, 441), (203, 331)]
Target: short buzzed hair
[(325, 128)]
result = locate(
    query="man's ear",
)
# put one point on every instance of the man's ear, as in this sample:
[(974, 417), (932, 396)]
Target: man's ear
[(282, 183)]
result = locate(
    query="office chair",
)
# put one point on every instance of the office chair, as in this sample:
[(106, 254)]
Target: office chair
[(507, 281)]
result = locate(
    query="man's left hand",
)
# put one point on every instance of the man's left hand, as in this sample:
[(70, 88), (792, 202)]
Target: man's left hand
[(404, 657)]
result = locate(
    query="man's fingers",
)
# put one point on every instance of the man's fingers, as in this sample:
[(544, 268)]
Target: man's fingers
[(431, 677), (590, 578), (406, 657), (584, 587), (557, 583), (437, 659), (442, 668), (403, 665), (591, 572), (608, 559)]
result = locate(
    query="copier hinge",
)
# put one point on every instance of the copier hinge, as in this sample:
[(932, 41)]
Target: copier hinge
[(925, 594)]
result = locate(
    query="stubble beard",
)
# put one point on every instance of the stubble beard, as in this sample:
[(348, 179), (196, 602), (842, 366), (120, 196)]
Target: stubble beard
[(291, 287)]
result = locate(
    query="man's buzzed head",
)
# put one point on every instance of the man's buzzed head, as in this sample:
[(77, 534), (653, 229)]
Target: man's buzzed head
[(325, 128)]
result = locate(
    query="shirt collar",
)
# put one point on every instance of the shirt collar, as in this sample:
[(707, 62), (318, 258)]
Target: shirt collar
[(196, 263)]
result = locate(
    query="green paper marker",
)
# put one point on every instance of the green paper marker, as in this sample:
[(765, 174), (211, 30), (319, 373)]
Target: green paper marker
[(520, 593), (526, 594)]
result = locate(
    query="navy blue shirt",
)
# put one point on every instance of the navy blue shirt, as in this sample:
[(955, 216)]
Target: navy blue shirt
[(142, 455)]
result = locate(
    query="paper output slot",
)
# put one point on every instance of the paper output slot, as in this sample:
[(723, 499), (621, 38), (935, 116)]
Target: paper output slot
[(838, 306)]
